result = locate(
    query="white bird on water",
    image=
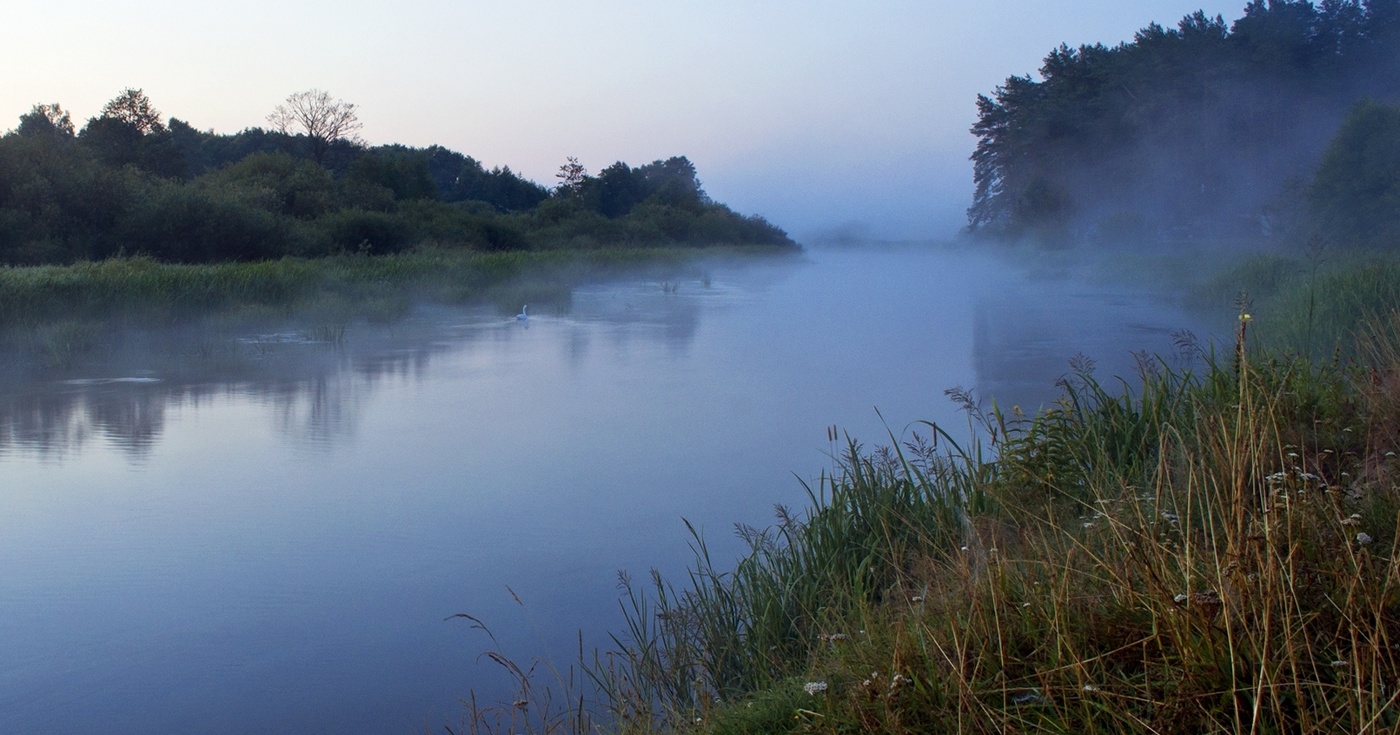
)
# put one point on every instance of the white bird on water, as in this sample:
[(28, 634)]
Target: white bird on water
[(524, 313)]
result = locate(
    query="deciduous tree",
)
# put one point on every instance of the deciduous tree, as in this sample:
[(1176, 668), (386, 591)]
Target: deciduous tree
[(129, 131), (134, 108), (321, 118), (1356, 193), (47, 120)]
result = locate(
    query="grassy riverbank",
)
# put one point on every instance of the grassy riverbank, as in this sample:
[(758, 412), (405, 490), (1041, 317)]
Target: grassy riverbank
[(1210, 552), (148, 292)]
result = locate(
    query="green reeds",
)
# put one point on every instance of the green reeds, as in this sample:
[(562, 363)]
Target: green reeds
[(1310, 304), (146, 291), (728, 633)]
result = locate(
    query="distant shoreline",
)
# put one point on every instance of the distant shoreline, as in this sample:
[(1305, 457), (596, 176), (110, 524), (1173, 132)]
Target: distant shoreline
[(142, 291)]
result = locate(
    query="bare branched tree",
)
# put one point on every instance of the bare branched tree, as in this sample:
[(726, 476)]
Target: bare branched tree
[(133, 107), (320, 118)]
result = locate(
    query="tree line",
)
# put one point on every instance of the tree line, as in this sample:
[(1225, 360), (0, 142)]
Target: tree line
[(1207, 129), (131, 182)]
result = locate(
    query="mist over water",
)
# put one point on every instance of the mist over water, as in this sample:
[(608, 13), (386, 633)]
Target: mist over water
[(263, 531)]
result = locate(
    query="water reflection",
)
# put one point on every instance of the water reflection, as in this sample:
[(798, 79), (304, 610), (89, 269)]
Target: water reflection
[(1021, 342), (313, 385), (58, 419), (1023, 345)]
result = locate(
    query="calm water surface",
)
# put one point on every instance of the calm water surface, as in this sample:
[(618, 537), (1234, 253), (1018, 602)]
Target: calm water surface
[(262, 532)]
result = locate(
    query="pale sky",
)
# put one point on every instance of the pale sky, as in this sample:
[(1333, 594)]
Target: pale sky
[(815, 114)]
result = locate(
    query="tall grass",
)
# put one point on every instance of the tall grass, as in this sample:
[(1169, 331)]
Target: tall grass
[(1212, 551), (1312, 303), (147, 291), (730, 632)]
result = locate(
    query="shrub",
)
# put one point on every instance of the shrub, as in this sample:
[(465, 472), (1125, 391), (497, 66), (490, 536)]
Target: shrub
[(361, 231), (189, 225)]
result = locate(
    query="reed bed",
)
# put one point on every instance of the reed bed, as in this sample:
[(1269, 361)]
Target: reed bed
[(1313, 302), (1210, 550), (146, 291)]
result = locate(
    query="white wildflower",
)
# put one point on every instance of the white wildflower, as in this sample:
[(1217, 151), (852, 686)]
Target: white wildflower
[(1363, 538), (1340, 663), (1090, 688), (814, 687)]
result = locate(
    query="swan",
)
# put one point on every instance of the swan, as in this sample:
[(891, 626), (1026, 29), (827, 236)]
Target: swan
[(524, 313)]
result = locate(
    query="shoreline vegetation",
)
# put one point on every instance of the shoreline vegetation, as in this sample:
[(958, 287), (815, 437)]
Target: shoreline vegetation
[(148, 292)]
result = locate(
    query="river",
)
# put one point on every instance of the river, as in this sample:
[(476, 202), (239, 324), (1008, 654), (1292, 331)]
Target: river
[(266, 531)]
